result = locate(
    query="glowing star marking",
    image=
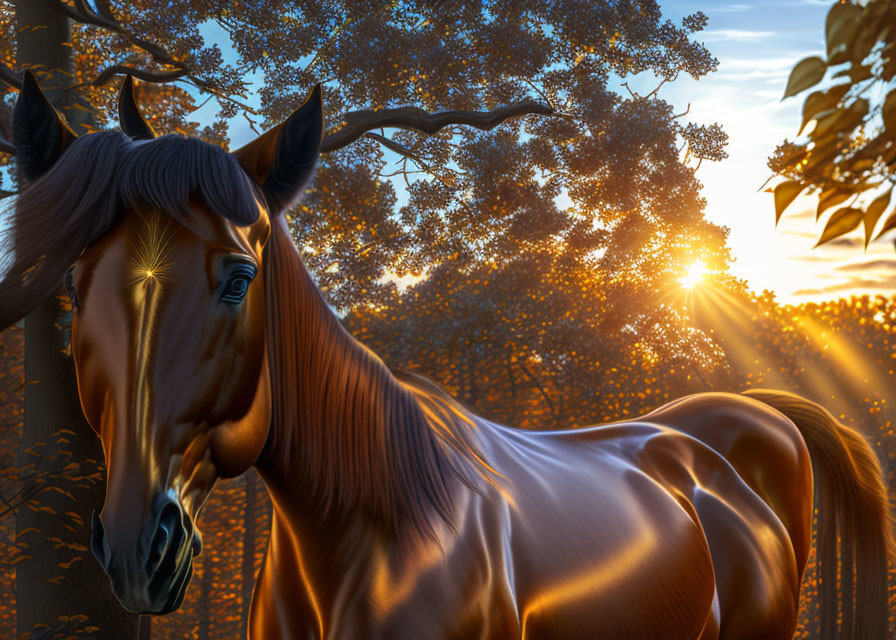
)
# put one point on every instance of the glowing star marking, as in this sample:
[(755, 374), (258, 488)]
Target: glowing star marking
[(150, 260)]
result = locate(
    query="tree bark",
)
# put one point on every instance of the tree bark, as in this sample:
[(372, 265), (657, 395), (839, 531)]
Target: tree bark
[(51, 399)]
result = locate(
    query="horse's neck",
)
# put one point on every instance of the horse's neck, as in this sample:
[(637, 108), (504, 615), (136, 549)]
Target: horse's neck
[(346, 435)]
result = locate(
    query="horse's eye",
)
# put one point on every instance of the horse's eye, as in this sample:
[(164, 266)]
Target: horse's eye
[(237, 284), (70, 288)]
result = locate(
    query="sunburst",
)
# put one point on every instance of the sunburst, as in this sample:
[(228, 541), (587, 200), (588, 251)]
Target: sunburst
[(697, 271)]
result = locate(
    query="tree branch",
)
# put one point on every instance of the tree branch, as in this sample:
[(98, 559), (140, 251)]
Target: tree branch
[(147, 76), (84, 14), (357, 123), (393, 146), (87, 17)]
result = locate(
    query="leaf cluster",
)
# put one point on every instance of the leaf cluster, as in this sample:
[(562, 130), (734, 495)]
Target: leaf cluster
[(848, 154)]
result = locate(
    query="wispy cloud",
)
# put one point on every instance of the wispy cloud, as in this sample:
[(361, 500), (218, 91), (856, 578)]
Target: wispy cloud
[(884, 264), (733, 8), (856, 285), (736, 35)]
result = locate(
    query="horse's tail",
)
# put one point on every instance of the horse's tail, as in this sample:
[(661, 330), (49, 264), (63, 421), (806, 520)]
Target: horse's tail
[(853, 507)]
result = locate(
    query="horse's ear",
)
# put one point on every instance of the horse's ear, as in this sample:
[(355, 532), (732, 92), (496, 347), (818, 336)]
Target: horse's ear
[(282, 160), (131, 120), (39, 133)]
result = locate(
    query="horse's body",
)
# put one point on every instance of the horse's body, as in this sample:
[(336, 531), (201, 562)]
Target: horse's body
[(605, 532), (397, 512), (672, 526)]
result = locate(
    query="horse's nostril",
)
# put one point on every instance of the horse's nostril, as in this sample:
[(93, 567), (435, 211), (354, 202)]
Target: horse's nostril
[(164, 538), (97, 540)]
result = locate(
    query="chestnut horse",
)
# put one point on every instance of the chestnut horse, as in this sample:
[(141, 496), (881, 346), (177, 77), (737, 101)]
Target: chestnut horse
[(203, 347)]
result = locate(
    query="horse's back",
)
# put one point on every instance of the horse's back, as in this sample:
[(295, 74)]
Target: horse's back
[(619, 526)]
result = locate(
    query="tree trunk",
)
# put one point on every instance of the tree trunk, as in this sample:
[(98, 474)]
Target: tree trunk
[(51, 399), (248, 569)]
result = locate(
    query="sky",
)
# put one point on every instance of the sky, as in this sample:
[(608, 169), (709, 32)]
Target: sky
[(757, 43)]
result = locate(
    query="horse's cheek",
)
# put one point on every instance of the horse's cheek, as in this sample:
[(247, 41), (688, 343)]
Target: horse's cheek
[(237, 444)]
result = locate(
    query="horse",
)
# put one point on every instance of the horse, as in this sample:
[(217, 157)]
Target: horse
[(203, 347)]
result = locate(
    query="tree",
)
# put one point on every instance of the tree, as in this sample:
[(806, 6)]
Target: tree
[(849, 153), (51, 404), (595, 196)]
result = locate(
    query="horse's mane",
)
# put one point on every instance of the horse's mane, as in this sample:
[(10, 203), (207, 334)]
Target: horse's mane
[(345, 425), (97, 178)]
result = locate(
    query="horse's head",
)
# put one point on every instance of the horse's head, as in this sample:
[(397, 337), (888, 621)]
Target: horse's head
[(162, 243)]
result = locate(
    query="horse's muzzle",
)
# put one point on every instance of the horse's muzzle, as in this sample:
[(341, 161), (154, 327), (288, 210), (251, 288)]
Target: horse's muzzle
[(151, 576)]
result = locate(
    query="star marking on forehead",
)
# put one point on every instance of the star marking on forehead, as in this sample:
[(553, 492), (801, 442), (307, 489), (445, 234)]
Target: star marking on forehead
[(149, 261)]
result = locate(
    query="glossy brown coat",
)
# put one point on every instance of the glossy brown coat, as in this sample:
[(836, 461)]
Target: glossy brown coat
[(399, 513)]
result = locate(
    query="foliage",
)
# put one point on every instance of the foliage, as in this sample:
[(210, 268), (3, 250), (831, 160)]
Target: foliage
[(610, 156), (25, 480), (849, 152)]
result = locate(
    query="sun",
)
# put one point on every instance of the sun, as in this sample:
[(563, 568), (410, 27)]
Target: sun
[(697, 271)]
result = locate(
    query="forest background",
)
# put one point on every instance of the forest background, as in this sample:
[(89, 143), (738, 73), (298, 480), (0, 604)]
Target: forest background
[(551, 265)]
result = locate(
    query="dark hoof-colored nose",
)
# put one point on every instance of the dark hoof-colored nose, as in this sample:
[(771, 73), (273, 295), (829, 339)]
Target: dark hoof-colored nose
[(98, 543), (150, 565), (167, 539)]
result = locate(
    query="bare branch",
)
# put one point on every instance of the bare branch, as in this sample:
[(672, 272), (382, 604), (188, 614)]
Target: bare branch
[(148, 76), (104, 19), (683, 113), (357, 123), (104, 8), (393, 146), (82, 12), (634, 95), (660, 86)]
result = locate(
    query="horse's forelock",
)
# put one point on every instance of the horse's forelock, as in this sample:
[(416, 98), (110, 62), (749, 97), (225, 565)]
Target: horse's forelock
[(100, 176), (169, 171)]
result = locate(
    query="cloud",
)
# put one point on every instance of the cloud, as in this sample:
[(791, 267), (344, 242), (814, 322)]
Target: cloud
[(736, 35), (800, 234), (861, 285), (781, 63), (733, 8), (805, 213), (813, 258), (849, 242), (885, 264)]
